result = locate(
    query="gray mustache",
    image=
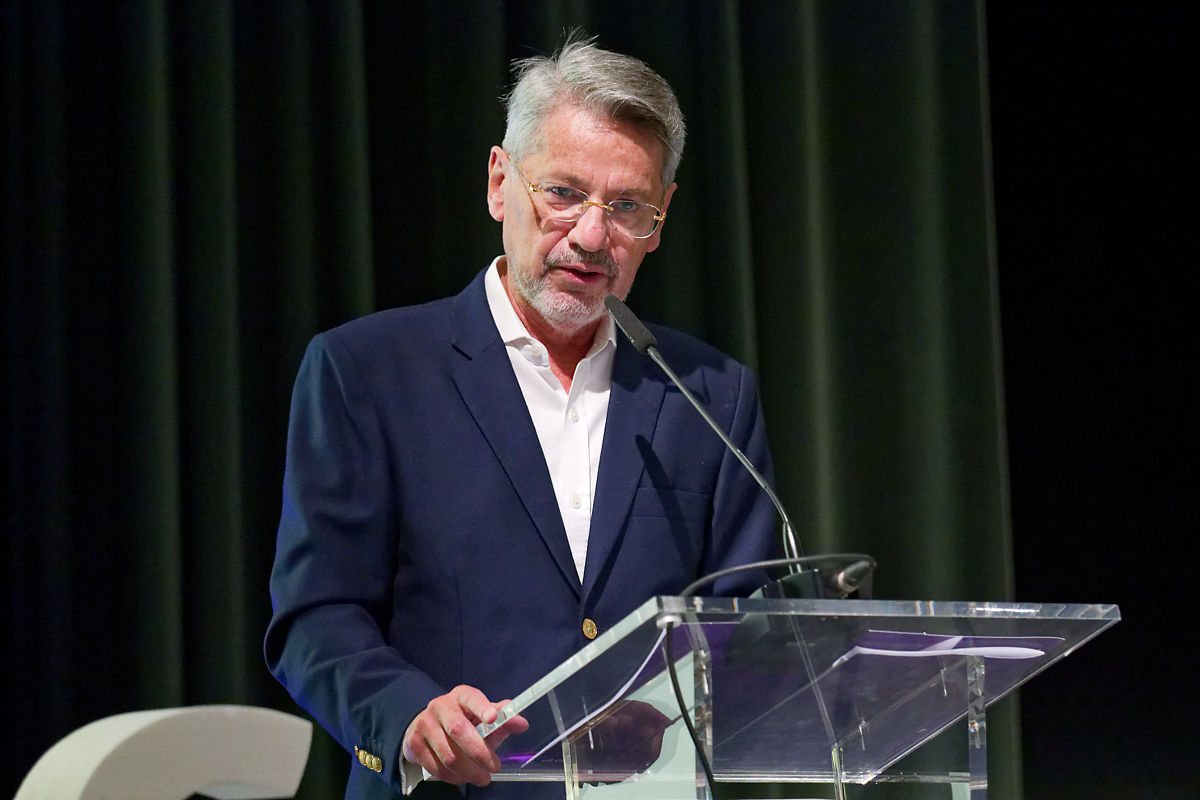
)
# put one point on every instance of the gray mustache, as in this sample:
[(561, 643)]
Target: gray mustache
[(585, 257)]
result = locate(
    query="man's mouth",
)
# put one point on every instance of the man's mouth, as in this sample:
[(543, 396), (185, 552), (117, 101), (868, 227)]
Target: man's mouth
[(583, 272), (578, 269)]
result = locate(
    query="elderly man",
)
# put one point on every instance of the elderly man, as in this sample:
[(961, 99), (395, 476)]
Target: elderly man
[(475, 487)]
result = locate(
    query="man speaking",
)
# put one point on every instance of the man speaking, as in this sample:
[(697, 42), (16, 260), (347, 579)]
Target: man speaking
[(477, 486)]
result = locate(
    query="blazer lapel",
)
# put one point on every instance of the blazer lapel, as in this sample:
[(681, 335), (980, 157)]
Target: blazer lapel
[(487, 385), (634, 403)]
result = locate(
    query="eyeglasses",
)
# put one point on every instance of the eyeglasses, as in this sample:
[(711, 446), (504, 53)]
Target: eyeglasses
[(564, 204)]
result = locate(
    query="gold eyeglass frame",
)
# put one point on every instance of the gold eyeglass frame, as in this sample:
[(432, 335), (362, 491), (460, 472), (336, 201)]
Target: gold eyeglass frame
[(659, 215)]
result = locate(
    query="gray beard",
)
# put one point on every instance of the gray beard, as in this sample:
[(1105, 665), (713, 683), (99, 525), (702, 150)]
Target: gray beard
[(563, 309)]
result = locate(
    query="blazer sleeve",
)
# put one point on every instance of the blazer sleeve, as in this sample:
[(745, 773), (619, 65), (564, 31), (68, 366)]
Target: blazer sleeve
[(331, 584)]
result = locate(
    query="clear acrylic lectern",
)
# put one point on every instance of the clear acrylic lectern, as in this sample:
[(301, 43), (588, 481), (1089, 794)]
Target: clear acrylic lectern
[(831, 692)]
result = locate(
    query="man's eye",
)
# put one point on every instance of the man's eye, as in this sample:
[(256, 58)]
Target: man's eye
[(563, 193), (626, 206)]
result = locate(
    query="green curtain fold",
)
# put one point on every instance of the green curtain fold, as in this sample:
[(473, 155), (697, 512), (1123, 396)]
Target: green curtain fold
[(191, 190)]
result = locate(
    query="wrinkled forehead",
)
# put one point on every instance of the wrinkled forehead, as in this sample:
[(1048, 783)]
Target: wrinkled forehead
[(585, 144)]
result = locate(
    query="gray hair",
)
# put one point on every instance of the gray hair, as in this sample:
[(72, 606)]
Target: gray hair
[(581, 74)]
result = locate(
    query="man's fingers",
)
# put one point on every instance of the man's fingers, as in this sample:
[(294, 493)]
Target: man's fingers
[(456, 753), (459, 729), (438, 755), (444, 740), (475, 704), (514, 724), (453, 743), (471, 764)]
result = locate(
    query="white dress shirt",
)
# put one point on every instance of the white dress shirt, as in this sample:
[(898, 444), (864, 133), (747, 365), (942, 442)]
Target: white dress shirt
[(569, 425)]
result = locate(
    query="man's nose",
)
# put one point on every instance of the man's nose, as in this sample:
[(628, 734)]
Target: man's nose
[(591, 230)]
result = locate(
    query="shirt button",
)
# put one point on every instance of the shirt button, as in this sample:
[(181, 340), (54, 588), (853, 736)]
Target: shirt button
[(575, 501), (589, 629), (573, 414), (534, 353)]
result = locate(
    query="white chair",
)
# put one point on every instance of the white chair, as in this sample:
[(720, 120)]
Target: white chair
[(223, 752)]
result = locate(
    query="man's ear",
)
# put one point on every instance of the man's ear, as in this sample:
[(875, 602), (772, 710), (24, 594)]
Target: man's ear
[(656, 239), (497, 160)]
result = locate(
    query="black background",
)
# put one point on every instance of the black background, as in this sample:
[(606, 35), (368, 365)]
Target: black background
[(1088, 111)]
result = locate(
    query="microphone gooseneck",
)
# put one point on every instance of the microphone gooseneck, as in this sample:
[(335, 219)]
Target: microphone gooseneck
[(645, 343), (853, 569)]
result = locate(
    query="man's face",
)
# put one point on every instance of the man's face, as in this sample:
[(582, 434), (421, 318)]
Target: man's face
[(559, 273)]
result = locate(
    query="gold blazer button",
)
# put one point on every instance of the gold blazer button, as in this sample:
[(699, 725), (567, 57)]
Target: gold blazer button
[(589, 629)]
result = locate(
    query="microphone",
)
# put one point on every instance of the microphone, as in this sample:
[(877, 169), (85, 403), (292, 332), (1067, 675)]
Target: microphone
[(854, 576), (758, 638), (639, 335), (845, 574), (644, 342)]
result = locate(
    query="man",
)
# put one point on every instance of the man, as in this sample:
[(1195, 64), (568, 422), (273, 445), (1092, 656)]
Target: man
[(477, 486)]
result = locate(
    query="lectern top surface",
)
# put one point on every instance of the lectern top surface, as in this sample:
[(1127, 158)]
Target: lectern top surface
[(784, 682)]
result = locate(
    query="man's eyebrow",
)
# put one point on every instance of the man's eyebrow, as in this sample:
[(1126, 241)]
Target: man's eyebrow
[(565, 178), (639, 194)]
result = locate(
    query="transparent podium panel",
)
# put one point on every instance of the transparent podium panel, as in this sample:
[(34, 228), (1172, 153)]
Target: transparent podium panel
[(793, 691)]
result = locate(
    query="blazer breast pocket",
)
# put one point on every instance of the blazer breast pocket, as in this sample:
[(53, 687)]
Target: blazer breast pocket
[(667, 529), (676, 504)]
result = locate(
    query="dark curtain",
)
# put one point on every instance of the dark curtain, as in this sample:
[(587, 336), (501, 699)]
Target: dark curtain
[(1102, 379), (191, 190)]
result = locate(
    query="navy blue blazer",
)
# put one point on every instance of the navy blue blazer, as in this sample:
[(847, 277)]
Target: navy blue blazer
[(420, 545)]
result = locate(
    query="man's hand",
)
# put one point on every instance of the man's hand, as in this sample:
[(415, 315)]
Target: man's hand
[(443, 739)]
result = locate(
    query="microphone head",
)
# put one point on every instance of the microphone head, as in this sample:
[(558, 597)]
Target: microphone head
[(639, 335)]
